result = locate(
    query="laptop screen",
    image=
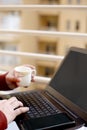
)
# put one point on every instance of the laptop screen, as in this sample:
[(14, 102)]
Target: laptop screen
[(71, 79)]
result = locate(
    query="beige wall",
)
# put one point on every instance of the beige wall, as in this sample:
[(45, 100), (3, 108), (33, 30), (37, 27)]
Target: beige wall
[(30, 1), (66, 43), (28, 43), (73, 16), (73, 2), (29, 19)]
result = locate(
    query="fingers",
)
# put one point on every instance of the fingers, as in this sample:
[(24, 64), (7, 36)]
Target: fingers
[(12, 99), (12, 108), (15, 103), (17, 106), (21, 110), (30, 66), (13, 79)]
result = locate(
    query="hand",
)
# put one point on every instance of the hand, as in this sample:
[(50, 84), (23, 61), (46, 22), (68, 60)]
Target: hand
[(12, 108), (12, 80)]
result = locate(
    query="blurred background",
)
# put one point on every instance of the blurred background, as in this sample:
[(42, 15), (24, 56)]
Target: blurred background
[(60, 25)]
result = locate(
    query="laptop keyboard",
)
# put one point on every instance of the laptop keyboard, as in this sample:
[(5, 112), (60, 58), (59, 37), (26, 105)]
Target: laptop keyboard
[(38, 105)]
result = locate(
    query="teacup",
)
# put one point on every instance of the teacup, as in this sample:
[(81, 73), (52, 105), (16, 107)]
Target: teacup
[(25, 74)]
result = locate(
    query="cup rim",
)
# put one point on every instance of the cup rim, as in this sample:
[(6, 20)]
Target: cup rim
[(22, 69)]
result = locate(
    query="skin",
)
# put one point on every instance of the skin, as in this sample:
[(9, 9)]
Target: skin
[(12, 81), (12, 107)]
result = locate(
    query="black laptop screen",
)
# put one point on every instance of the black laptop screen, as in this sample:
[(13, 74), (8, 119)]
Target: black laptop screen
[(71, 79)]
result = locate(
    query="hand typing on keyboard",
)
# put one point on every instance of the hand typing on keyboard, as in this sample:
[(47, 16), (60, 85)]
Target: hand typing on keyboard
[(10, 108)]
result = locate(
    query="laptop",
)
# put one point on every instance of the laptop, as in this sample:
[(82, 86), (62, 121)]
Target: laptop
[(62, 104)]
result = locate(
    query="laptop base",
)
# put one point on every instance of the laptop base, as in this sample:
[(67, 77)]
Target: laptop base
[(58, 121)]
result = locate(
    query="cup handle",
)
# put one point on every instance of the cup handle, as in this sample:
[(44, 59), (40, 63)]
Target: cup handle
[(33, 73)]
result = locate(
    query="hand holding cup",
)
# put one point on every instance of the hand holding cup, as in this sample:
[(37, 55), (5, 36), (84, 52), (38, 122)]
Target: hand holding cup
[(25, 74)]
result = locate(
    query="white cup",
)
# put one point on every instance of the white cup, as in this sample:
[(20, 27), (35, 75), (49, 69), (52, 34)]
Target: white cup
[(25, 74)]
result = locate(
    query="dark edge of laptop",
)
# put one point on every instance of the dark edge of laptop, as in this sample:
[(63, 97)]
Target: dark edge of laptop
[(71, 106)]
